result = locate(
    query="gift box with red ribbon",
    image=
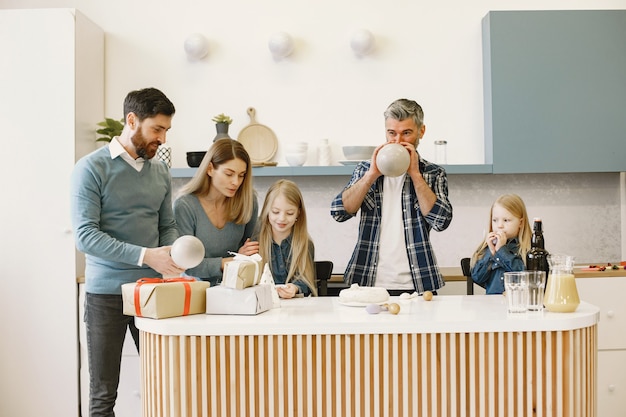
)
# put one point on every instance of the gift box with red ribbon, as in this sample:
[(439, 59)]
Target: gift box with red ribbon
[(162, 298)]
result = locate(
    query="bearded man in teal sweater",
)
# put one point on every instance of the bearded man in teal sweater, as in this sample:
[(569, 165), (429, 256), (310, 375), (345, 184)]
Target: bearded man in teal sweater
[(123, 221)]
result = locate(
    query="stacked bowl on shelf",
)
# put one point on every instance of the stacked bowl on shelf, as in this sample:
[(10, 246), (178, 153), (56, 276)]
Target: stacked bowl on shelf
[(296, 153), (358, 153)]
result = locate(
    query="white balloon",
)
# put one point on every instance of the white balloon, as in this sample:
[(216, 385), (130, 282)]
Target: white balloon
[(196, 46), (362, 42), (280, 44), (393, 160), (187, 251)]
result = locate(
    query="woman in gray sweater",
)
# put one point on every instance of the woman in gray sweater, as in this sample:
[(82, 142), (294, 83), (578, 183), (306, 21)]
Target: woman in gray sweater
[(219, 206)]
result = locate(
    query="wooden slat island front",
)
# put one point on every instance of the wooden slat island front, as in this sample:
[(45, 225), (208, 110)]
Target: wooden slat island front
[(453, 356)]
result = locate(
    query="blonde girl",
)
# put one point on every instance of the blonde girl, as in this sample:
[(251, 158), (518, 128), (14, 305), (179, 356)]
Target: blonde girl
[(505, 246), (284, 240)]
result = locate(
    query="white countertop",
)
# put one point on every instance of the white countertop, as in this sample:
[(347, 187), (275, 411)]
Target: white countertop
[(325, 315)]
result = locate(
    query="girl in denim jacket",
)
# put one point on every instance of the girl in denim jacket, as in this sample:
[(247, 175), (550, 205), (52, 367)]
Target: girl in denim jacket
[(505, 246)]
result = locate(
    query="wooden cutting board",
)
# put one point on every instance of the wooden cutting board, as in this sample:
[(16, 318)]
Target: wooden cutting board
[(259, 140)]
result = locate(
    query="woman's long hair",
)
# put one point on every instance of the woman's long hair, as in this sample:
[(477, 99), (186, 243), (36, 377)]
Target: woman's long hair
[(302, 266), (239, 208), (514, 205)]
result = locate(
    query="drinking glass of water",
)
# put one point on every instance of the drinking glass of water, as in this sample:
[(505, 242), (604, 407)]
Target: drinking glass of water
[(516, 290), (536, 284)]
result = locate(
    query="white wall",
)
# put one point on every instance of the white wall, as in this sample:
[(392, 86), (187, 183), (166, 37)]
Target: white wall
[(428, 51)]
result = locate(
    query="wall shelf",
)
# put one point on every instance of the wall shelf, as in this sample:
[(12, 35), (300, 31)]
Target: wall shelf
[(288, 171)]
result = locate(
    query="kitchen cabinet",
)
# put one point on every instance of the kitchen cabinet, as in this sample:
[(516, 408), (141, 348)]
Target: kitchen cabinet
[(52, 89), (607, 294), (554, 90)]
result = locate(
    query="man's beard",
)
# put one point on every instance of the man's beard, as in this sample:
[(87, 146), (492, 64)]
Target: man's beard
[(141, 147)]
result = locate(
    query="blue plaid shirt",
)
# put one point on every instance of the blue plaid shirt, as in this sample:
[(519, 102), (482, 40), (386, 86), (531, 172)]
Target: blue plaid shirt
[(361, 268)]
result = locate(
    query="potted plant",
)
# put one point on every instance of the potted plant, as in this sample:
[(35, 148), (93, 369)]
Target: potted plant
[(109, 129), (221, 125)]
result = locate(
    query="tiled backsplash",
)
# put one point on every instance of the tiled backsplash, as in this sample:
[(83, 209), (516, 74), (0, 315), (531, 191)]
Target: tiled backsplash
[(581, 214)]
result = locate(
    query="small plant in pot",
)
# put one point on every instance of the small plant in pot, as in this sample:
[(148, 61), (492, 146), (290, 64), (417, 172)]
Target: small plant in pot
[(221, 125), (109, 128), (222, 118)]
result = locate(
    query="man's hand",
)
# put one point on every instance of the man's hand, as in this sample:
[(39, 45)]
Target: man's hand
[(160, 260), (374, 171)]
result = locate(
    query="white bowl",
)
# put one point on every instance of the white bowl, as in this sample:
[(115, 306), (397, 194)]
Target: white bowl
[(358, 153), (297, 147), (296, 144), (296, 159), (393, 160)]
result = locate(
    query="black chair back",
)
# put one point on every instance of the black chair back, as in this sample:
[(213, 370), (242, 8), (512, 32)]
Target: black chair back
[(465, 267), (323, 272)]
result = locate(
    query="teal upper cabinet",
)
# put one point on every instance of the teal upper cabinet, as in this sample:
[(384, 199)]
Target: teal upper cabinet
[(555, 91)]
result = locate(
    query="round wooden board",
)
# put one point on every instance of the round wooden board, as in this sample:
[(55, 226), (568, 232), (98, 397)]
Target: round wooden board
[(259, 140)]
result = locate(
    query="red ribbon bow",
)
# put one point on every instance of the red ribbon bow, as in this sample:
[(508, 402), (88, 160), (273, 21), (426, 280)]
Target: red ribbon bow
[(142, 281)]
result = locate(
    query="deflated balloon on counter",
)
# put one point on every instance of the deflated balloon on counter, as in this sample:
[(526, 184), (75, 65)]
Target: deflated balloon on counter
[(373, 308), (393, 308)]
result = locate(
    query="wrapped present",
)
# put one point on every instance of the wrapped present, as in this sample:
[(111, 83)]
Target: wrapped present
[(268, 278), (243, 271), (249, 301), (162, 298)]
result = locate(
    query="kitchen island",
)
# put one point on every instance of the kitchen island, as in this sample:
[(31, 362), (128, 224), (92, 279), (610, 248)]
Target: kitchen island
[(455, 355)]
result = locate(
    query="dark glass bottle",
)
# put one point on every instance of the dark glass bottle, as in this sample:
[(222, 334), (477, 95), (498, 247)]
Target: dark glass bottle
[(537, 256)]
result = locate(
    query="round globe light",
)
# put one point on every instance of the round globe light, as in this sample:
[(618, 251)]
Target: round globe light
[(187, 251), (393, 160), (362, 42), (196, 46), (281, 45)]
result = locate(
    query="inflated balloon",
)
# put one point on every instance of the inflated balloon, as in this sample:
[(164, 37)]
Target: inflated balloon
[(187, 251), (393, 160)]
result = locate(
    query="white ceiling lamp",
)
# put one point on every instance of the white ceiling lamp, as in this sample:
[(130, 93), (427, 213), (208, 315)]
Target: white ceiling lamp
[(281, 45), (196, 47), (362, 42)]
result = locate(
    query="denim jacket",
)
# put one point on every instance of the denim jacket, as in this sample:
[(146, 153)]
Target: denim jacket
[(489, 270), (280, 263)]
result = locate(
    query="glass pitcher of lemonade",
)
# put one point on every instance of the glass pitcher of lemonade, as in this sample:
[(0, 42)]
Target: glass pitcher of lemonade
[(561, 294)]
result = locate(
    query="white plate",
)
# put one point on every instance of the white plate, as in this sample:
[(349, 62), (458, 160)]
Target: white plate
[(350, 162), (359, 304)]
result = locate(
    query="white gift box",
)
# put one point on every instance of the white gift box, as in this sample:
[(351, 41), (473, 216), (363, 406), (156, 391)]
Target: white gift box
[(242, 272), (249, 301)]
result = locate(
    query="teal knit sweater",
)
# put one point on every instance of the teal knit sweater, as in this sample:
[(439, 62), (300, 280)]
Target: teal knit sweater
[(116, 211)]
